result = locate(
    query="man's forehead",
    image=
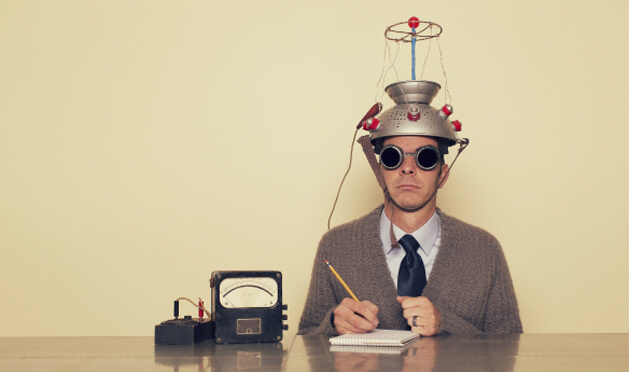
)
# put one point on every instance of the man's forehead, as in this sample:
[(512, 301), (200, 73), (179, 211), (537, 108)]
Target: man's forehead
[(410, 140)]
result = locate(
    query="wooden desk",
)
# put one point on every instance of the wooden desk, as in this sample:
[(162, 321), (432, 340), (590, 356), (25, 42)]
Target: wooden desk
[(527, 352)]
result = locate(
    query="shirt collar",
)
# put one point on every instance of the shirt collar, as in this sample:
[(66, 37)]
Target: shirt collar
[(426, 235)]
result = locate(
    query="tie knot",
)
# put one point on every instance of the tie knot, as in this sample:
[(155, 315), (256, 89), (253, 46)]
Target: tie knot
[(409, 243)]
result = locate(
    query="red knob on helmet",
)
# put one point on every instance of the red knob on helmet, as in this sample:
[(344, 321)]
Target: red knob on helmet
[(445, 111), (371, 124)]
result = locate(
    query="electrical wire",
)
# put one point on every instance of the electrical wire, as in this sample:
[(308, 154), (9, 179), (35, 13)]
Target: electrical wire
[(201, 307), (338, 193)]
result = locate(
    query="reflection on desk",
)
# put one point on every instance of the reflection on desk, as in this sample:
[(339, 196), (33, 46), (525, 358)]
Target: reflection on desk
[(208, 356), (68, 354), (526, 352), (443, 353)]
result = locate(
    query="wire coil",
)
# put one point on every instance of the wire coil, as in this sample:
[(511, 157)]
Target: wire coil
[(424, 31)]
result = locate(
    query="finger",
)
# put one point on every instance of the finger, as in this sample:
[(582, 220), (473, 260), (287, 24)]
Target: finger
[(418, 311), (411, 321), (422, 301), (425, 323), (353, 317), (405, 301), (401, 299), (343, 327), (424, 330), (419, 325), (408, 302), (351, 323), (420, 320), (418, 302), (365, 309), (372, 308), (426, 314)]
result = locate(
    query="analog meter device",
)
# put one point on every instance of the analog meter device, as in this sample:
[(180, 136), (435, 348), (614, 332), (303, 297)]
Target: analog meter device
[(247, 306)]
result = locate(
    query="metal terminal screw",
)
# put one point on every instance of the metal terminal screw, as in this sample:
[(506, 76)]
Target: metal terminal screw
[(413, 113)]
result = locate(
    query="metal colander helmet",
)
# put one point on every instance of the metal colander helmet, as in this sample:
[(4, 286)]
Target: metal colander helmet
[(412, 115)]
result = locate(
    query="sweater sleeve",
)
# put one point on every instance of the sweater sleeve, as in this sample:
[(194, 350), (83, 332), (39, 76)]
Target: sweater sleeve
[(470, 284), (502, 314), (321, 301), (454, 324)]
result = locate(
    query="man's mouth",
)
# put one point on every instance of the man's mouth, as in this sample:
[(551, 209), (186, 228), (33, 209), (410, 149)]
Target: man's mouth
[(407, 186)]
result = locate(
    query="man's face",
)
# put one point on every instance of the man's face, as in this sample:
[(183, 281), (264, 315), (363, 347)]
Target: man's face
[(411, 187)]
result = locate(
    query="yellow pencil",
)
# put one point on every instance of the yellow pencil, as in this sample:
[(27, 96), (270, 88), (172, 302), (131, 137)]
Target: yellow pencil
[(342, 281)]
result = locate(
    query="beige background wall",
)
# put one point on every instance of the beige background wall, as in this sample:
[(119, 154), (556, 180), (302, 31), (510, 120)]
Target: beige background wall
[(144, 144)]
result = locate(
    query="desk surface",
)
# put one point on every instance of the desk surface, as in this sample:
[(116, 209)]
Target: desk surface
[(527, 352)]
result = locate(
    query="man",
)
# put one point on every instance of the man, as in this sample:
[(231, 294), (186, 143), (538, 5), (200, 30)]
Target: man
[(447, 277)]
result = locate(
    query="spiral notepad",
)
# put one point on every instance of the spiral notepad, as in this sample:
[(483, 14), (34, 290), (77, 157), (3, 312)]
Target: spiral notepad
[(362, 349), (377, 337)]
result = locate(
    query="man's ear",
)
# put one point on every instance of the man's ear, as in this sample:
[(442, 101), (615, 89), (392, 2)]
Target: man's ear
[(445, 173)]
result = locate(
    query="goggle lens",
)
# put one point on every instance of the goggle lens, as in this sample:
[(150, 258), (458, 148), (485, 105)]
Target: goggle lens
[(426, 157), (391, 157)]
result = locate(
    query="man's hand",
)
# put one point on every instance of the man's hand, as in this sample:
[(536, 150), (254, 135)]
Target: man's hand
[(355, 317), (423, 317)]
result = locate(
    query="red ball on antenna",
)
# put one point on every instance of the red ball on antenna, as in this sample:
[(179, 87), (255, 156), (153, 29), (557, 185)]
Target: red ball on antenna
[(413, 22)]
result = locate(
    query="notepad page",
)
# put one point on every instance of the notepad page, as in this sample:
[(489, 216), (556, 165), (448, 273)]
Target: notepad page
[(379, 337)]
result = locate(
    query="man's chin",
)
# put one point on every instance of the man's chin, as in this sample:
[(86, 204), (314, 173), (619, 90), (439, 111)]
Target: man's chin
[(408, 206)]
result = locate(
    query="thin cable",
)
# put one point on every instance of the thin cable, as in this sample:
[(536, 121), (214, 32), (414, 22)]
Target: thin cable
[(463, 143), (390, 32), (392, 62), (425, 59), (380, 83), (195, 304), (447, 96), (338, 193), (427, 55), (383, 74)]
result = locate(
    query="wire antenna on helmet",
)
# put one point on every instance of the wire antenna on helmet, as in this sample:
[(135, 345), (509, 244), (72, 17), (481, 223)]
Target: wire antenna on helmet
[(427, 30), (412, 114), (419, 31)]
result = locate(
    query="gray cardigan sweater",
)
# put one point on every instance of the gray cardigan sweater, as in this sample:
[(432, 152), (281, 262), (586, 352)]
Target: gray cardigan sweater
[(470, 282)]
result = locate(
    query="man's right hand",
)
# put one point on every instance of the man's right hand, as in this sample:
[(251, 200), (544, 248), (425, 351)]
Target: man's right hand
[(351, 316)]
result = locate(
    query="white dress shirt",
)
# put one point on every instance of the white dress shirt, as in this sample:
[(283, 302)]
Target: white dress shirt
[(428, 236)]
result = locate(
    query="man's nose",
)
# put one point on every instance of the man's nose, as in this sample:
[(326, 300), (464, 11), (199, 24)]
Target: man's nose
[(408, 165)]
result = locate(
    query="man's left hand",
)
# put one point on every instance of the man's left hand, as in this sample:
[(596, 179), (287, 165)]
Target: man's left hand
[(423, 317)]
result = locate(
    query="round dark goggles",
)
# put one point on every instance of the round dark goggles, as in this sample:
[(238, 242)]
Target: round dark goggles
[(426, 157)]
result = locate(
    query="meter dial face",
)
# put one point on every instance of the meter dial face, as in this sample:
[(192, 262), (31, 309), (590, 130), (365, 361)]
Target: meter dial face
[(248, 292)]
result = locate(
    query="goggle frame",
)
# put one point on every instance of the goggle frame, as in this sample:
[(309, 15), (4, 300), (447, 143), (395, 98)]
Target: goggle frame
[(426, 157)]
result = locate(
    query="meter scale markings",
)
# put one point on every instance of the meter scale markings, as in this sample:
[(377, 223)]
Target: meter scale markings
[(248, 292)]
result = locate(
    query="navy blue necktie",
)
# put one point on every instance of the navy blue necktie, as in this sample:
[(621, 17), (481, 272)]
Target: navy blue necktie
[(412, 276)]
